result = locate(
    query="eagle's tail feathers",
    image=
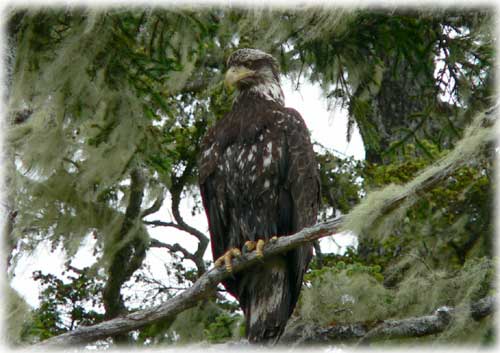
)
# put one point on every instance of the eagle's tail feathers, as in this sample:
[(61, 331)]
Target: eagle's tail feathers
[(269, 305)]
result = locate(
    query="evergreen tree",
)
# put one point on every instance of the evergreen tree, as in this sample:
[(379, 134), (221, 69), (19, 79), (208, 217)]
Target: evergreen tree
[(106, 109)]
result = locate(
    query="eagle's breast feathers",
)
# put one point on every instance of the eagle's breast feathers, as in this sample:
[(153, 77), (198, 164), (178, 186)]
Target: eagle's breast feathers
[(262, 174)]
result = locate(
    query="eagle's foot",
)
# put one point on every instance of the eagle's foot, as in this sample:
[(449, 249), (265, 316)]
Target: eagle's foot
[(226, 259), (259, 248), (249, 246)]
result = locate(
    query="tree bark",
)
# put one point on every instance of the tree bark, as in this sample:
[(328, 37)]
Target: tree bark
[(127, 249), (399, 109), (365, 333)]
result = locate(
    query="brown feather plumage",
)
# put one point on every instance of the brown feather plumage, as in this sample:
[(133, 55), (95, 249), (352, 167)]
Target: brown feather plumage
[(259, 178)]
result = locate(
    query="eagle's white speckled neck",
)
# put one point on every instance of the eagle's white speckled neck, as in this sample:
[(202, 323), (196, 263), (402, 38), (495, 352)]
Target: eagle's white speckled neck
[(269, 91)]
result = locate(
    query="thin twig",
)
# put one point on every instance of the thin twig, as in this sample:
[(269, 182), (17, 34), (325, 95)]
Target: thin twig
[(155, 207)]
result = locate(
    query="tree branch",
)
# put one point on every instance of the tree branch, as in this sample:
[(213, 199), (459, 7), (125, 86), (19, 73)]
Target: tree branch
[(178, 184), (180, 224), (129, 249), (202, 288), (155, 207), (410, 327), (197, 257), (388, 329), (175, 248), (427, 325), (158, 223)]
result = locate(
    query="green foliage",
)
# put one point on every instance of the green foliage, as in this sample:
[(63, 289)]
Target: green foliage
[(354, 293), (349, 269), (339, 294), (398, 171), (340, 182), (103, 89), (64, 304), (452, 221), (403, 75), (205, 322), (221, 329), (438, 243), (155, 333), (470, 149), (17, 312)]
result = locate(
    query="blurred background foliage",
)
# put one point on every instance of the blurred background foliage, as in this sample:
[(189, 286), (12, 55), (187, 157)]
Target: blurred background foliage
[(106, 110)]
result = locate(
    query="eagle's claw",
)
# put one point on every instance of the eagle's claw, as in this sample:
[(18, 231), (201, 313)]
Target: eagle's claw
[(259, 251), (249, 246), (258, 245), (226, 259)]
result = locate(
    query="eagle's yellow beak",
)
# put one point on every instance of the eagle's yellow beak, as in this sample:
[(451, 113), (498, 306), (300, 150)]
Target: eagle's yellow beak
[(235, 74)]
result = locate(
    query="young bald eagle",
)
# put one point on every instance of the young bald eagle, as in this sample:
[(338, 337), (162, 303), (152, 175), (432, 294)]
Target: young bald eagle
[(259, 179)]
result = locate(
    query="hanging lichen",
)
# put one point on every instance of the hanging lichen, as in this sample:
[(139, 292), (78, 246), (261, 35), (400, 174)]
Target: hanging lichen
[(374, 207)]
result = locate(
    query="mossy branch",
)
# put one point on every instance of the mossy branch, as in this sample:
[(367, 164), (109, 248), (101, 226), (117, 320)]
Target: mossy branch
[(365, 333), (426, 325), (381, 202)]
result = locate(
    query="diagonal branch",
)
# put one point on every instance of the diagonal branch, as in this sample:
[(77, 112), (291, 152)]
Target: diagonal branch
[(202, 288)]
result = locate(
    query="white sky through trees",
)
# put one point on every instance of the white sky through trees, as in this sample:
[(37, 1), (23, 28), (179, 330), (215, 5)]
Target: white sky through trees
[(329, 128)]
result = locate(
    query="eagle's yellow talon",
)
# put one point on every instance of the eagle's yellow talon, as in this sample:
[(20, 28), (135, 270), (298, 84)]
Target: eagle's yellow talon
[(227, 261), (249, 245), (219, 261), (227, 258), (260, 248), (274, 239)]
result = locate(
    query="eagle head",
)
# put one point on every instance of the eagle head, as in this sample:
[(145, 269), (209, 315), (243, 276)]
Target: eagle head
[(252, 70)]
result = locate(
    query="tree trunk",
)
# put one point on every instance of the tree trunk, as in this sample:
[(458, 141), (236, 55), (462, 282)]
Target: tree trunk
[(128, 250), (398, 109)]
